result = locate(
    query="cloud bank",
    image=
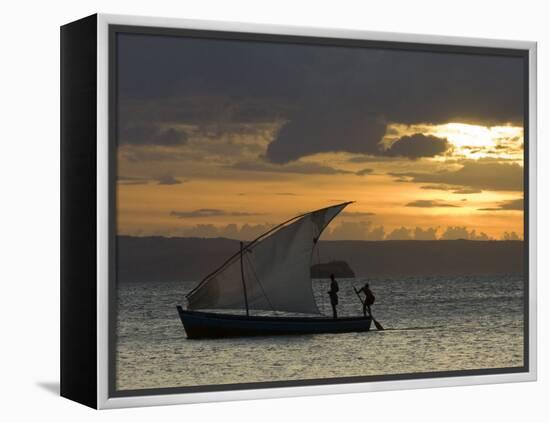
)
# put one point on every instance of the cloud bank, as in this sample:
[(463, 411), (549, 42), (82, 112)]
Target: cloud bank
[(514, 205), (151, 135), (330, 99), (429, 203), (475, 175), (345, 230)]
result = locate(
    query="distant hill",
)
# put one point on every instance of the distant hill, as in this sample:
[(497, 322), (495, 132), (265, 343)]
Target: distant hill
[(170, 259), (339, 268)]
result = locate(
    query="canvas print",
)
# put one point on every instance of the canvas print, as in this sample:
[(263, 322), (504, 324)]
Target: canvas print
[(300, 211)]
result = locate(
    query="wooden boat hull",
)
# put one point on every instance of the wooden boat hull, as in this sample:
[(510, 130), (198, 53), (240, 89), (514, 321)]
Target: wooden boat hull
[(200, 324)]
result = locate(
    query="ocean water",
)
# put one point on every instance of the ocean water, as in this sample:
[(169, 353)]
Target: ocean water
[(437, 324)]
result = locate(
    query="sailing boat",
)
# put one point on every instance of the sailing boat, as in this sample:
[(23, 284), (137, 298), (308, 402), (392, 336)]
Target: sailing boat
[(270, 273)]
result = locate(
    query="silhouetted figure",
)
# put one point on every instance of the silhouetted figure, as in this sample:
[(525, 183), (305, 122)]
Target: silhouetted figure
[(333, 293), (369, 299)]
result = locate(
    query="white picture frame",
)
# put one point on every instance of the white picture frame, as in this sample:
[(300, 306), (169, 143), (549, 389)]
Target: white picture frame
[(102, 365)]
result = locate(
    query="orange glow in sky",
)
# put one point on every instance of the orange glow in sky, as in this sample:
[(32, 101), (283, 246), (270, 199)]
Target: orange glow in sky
[(222, 187)]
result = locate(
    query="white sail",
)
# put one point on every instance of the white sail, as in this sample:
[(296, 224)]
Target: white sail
[(275, 269)]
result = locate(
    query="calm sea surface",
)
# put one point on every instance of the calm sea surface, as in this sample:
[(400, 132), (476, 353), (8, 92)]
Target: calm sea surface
[(441, 323)]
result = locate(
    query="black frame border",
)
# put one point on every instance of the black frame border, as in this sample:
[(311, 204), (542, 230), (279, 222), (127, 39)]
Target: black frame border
[(78, 213), (115, 29)]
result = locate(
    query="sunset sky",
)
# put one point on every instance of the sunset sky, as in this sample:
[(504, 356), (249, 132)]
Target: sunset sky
[(227, 138)]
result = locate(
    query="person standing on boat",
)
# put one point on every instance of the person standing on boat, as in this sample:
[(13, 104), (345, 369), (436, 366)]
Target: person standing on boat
[(369, 299), (333, 293)]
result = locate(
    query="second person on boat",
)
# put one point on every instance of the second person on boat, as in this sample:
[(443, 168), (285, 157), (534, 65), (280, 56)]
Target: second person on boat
[(333, 293)]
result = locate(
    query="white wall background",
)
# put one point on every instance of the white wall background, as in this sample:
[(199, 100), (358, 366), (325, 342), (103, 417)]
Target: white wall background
[(29, 166)]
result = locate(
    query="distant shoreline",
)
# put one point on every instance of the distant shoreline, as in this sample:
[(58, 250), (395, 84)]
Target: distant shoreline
[(322, 240), (158, 258)]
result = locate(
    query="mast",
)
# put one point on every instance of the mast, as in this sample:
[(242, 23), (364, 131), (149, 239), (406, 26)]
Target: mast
[(244, 283)]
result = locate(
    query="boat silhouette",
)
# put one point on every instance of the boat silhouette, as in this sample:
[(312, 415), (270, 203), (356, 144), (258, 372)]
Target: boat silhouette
[(269, 274)]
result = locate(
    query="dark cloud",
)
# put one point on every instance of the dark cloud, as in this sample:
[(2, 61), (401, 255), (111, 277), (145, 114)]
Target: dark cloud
[(151, 135), (332, 99), (169, 180), (132, 180), (467, 191), (516, 205), (324, 129), (364, 172), (417, 146), (208, 213), (227, 149), (136, 155), (429, 203), (477, 175), (255, 111), (198, 151), (454, 189), (294, 167), (406, 86), (166, 179), (171, 136)]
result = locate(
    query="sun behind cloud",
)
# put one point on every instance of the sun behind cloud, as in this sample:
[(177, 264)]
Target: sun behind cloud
[(469, 141)]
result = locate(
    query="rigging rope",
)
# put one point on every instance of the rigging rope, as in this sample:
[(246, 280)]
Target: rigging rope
[(259, 283)]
